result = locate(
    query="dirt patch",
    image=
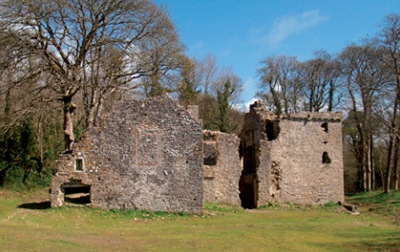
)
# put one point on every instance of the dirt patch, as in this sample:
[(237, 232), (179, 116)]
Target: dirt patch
[(258, 210)]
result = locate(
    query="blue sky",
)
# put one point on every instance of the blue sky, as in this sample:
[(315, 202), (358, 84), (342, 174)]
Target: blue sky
[(241, 33)]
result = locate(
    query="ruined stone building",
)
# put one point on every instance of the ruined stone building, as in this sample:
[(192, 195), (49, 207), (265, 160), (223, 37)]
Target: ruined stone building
[(222, 167), (294, 158), (141, 155), (153, 155)]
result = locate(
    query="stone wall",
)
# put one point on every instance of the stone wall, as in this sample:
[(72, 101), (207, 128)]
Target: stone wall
[(151, 155), (222, 167), (142, 155), (293, 158)]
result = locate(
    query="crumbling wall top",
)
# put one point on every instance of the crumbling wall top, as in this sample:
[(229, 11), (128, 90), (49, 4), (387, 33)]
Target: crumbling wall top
[(319, 116), (210, 134), (258, 105), (259, 108)]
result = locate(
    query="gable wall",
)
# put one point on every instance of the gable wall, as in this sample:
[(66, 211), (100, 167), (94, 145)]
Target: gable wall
[(143, 155)]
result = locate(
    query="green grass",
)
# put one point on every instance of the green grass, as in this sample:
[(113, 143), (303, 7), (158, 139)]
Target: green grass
[(379, 203), (221, 228)]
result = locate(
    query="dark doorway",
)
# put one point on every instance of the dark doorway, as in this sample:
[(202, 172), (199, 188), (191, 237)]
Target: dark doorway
[(248, 183), (76, 193)]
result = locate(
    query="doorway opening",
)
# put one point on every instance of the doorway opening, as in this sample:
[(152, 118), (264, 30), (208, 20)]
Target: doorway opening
[(248, 183)]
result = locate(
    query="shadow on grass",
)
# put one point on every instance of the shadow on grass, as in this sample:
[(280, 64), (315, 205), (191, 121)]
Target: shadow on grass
[(36, 205), (385, 244), (389, 242)]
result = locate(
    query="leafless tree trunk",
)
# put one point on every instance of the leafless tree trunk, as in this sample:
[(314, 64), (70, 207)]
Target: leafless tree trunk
[(372, 172), (396, 164)]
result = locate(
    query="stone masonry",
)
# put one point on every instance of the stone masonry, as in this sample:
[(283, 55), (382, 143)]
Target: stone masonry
[(294, 158), (222, 167), (153, 155), (141, 155)]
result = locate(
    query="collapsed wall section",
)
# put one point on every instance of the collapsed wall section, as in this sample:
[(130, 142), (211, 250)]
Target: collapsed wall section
[(222, 167), (142, 155), (253, 184)]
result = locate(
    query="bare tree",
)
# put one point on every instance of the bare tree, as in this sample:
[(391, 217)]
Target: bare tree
[(221, 89), (207, 71), (390, 39), (236, 85), (164, 59), (91, 45), (365, 77), (318, 77), (279, 84)]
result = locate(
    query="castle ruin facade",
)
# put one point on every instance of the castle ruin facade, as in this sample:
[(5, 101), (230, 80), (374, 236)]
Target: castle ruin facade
[(154, 155)]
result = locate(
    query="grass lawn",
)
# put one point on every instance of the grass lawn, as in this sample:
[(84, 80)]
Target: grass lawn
[(27, 224)]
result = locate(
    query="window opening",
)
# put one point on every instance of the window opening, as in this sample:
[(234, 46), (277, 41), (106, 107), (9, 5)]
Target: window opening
[(210, 153), (325, 126), (210, 160), (272, 130), (325, 158), (78, 164)]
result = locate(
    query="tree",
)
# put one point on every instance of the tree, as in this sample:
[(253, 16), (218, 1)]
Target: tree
[(227, 89), (221, 89), (365, 76), (353, 156), (223, 105), (188, 88), (91, 45), (279, 85), (207, 72), (390, 40), (318, 77), (164, 59)]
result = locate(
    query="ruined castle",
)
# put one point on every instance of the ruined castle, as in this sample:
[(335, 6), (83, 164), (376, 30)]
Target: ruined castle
[(153, 155)]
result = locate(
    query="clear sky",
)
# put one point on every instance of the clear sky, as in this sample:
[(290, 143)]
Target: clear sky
[(241, 33)]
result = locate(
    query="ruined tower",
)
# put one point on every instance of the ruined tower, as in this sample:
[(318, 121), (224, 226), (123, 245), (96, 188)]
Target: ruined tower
[(293, 158)]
